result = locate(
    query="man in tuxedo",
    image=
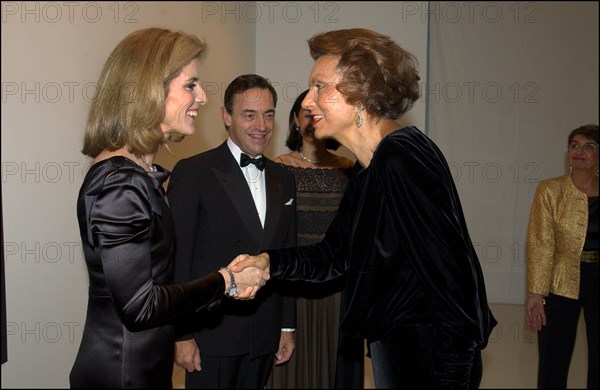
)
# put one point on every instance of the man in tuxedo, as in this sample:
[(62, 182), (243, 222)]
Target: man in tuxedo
[(227, 201)]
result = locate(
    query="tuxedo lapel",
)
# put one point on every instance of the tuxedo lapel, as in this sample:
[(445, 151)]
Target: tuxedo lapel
[(233, 181), (275, 202)]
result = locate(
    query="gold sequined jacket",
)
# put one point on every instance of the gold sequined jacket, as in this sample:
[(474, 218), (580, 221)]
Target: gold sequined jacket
[(555, 238)]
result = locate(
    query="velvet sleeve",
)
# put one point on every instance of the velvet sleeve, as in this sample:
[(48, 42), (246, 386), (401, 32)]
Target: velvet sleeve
[(401, 235), (318, 262), (416, 184), (121, 219), (420, 192)]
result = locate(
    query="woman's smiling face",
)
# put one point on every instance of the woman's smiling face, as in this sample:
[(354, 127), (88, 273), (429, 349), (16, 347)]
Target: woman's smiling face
[(332, 116), (184, 98)]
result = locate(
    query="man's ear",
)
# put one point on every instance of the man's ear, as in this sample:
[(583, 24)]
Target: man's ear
[(226, 117)]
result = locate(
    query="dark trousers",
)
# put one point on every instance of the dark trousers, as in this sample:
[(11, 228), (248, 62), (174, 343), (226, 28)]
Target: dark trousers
[(230, 372), (350, 364), (556, 340), (403, 359)]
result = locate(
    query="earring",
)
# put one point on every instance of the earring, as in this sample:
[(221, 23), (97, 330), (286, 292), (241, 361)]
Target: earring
[(297, 128), (358, 120), (570, 170)]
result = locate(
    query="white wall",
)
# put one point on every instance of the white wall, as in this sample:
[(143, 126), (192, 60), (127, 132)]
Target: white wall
[(282, 52), (508, 82)]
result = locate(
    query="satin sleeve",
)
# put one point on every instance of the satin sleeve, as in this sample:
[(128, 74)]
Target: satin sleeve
[(121, 220)]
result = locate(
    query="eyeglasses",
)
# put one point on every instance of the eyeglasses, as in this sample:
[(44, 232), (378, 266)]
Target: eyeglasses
[(587, 147)]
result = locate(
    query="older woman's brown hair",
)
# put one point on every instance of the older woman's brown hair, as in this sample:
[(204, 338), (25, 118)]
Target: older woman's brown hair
[(588, 131), (376, 72), (129, 103)]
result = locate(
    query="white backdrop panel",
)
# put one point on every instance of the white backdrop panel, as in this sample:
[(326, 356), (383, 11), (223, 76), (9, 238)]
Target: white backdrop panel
[(507, 83)]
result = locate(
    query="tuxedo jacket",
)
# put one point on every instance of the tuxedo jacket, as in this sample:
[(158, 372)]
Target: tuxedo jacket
[(216, 220)]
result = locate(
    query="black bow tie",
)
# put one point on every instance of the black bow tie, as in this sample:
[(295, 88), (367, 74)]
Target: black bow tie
[(259, 162)]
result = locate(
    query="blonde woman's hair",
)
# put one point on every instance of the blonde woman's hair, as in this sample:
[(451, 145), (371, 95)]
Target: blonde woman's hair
[(129, 103)]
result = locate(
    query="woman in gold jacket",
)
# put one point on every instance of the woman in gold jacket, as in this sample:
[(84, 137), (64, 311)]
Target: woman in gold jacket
[(562, 243)]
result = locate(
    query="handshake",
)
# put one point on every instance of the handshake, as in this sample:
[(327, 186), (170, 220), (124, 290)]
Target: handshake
[(245, 275)]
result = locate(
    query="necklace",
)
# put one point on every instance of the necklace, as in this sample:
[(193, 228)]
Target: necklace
[(308, 159), (149, 168)]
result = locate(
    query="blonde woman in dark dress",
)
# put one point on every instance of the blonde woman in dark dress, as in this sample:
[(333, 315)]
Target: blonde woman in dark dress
[(148, 93)]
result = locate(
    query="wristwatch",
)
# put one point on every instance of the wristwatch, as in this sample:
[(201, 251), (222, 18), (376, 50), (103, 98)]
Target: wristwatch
[(232, 290)]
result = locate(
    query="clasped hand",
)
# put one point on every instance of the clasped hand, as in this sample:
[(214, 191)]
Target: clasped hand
[(249, 278), (242, 261)]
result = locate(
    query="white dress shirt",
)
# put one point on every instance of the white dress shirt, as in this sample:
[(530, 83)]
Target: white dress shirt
[(255, 179)]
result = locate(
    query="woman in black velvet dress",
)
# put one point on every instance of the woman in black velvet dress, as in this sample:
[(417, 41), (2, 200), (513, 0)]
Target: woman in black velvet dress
[(148, 93), (415, 288), (321, 359)]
